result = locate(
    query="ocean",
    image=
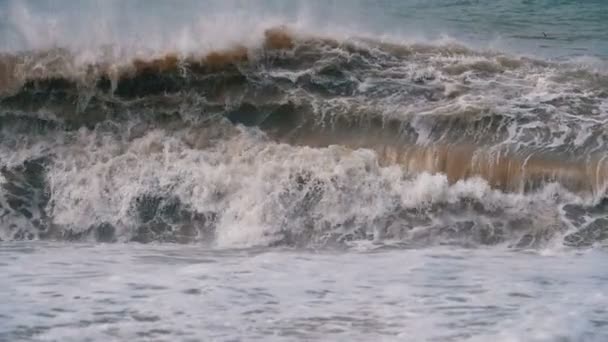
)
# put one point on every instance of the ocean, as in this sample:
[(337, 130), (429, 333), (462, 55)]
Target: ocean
[(304, 170)]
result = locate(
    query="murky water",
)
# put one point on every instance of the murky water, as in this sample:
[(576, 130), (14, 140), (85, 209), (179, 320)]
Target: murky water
[(300, 150)]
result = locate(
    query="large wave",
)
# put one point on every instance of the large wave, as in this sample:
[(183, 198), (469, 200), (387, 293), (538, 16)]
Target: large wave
[(303, 140)]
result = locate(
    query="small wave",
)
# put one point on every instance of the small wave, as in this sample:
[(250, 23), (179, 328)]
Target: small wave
[(535, 37)]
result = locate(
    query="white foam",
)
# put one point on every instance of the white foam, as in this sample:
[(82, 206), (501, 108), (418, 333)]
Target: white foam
[(249, 183)]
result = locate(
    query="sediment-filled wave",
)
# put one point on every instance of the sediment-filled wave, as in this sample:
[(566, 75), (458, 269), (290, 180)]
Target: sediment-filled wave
[(304, 141)]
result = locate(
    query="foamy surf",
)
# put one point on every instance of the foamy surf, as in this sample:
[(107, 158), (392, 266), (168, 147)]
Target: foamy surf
[(307, 141), (303, 170)]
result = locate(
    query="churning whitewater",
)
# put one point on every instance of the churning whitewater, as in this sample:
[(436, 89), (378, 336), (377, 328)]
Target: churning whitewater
[(287, 170), (305, 140)]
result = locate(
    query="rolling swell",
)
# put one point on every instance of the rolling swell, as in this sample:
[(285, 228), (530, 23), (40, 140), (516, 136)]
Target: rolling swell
[(303, 141)]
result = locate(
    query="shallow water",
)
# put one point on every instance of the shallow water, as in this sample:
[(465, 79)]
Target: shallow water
[(76, 292)]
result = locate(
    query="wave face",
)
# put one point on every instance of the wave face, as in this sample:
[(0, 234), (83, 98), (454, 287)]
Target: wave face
[(301, 139)]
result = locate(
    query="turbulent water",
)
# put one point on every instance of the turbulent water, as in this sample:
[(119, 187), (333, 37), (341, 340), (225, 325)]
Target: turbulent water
[(185, 293), (335, 126)]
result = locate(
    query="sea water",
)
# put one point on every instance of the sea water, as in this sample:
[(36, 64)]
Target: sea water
[(303, 170)]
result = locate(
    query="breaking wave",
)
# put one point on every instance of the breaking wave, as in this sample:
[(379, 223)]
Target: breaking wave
[(303, 140)]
